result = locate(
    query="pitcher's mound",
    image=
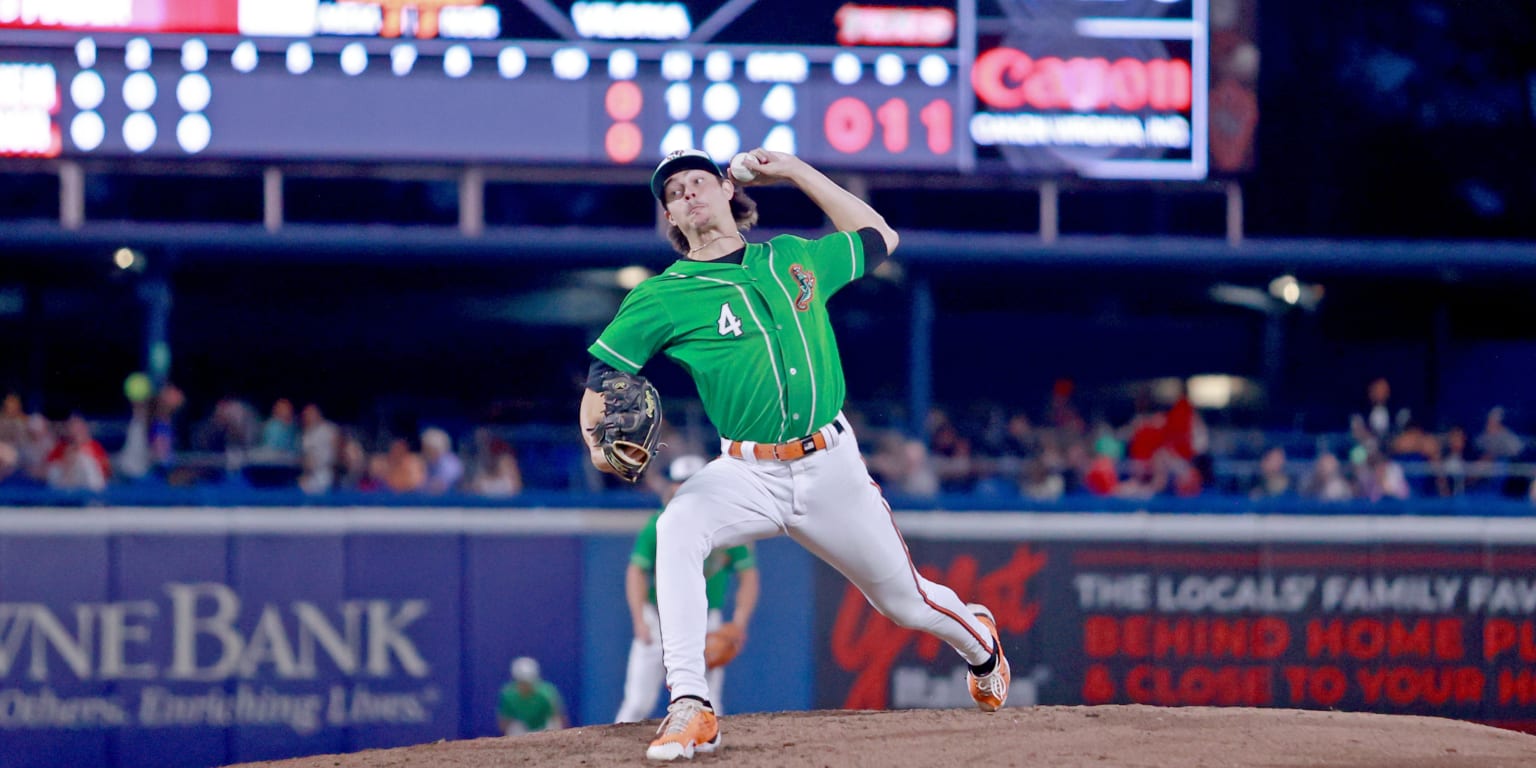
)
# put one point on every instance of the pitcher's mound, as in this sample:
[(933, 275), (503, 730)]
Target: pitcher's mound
[(1059, 737)]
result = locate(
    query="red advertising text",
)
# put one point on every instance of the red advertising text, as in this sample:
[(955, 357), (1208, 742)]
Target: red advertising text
[(1009, 79), (868, 644)]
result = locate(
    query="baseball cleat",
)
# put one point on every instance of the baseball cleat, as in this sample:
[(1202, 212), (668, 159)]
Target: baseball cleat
[(990, 690), (689, 727)]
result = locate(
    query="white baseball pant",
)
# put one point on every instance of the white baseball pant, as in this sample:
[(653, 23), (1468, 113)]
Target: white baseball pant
[(827, 502)]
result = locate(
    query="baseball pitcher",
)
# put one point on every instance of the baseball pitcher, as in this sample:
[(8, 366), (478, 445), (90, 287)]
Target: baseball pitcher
[(748, 321)]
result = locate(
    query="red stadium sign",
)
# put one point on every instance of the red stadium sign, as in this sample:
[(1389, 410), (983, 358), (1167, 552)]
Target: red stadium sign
[(1007, 79), (185, 16), (884, 25)]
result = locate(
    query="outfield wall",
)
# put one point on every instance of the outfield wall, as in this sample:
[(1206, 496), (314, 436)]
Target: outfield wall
[(195, 637)]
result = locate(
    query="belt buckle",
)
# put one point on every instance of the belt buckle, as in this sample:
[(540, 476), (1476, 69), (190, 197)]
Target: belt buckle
[(808, 444)]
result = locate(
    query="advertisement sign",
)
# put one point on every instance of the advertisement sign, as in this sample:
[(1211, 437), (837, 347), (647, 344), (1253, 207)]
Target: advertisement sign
[(1441, 630), (196, 650)]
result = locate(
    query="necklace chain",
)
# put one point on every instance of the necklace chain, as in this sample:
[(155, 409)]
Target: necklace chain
[(716, 240)]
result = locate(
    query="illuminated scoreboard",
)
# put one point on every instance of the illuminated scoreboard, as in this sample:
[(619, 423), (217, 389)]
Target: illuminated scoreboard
[(1033, 86)]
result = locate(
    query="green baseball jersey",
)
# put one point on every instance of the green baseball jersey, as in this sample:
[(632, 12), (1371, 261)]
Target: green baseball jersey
[(535, 709), (718, 567), (754, 336)]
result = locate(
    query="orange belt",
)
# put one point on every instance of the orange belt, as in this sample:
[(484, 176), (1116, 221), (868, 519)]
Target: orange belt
[(789, 451)]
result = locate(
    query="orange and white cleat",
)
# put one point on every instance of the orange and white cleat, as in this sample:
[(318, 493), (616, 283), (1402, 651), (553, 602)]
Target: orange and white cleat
[(990, 690), (689, 727)]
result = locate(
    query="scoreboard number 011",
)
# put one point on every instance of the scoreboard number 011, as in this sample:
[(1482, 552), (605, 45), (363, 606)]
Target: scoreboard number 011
[(850, 125)]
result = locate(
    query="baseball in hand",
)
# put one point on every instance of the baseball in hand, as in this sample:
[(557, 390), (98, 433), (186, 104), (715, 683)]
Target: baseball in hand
[(739, 169)]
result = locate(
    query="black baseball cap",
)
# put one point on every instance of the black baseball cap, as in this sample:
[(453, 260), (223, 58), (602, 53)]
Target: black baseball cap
[(681, 160)]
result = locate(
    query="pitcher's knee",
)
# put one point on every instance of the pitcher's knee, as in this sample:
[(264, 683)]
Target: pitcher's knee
[(679, 532), (907, 613)]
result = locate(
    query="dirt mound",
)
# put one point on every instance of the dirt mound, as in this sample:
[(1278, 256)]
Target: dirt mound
[(1061, 737)]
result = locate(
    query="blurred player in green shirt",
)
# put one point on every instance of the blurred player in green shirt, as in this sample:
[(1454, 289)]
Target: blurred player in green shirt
[(528, 703)]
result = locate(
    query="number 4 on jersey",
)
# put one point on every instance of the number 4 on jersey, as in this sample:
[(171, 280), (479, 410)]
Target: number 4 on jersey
[(729, 324)]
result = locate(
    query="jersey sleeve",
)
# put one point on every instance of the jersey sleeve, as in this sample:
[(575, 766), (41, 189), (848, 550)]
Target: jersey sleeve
[(644, 554), (836, 259), (742, 558), (637, 332)]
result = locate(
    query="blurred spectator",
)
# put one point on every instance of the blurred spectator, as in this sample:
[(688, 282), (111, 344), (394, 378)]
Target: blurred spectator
[(10, 460), (1382, 478), (1020, 438), (404, 471), (36, 446), (279, 432), (1497, 442), (901, 465), (232, 429), (444, 469), (318, 442), (1379, 419), (20, 459), (133, 459), (1184, 432), (378, 471), (13, 420), (1144, 435), (1273, 480), (77, 462), (1418, 450), (1451, 477), (950, 453), (1100, 476), (1187, 477), (1166, 472), (162, 426), (497, 472), (352, 464), (1041, 481), (1414, 444), (1326, 480), (1497, 447), (1062, 413)]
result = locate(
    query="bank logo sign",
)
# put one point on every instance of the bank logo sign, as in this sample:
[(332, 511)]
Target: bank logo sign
[(199, 655)]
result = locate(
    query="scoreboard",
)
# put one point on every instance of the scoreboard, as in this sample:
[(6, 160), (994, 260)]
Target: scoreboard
[(1102, 88)]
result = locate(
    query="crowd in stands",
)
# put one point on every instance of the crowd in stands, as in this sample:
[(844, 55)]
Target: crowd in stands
[(289, 447), (1165, 449), (1169, 451)]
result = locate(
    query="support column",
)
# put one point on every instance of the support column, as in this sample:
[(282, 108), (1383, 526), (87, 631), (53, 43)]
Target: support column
[(1234, 214), (1274, 358), (272, 198), (1050, 212), (1434, 363), (920, 358), (155, 292), (472, 201), (71, 195)]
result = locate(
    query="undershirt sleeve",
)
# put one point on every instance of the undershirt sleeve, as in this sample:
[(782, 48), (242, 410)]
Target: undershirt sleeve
[(595, 374), (874, 249)]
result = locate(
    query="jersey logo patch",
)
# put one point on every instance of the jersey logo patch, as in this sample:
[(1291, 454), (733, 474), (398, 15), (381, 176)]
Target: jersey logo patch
[(807, 283)]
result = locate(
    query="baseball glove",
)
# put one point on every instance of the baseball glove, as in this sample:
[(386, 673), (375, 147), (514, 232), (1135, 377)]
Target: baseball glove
[(722, 645), (631, 423)]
